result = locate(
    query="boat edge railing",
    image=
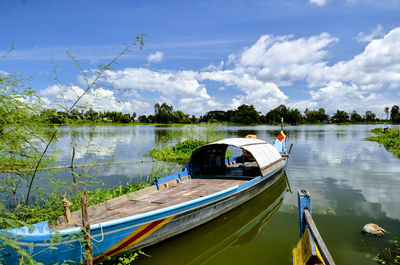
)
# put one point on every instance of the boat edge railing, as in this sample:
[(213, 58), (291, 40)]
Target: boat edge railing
[(177, 176), (306, 222)]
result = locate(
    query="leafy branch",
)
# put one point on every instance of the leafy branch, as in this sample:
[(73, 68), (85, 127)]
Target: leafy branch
[(99, 73)]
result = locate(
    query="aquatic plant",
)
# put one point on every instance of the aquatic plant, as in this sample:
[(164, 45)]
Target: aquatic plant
[(389, 255), (189, 138), (390, 140), (179, 153)]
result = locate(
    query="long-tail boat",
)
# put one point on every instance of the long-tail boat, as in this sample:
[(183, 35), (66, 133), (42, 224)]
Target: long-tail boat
[(210, 185)]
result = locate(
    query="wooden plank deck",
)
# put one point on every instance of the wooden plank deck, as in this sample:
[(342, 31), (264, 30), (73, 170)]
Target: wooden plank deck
[(175, 193)]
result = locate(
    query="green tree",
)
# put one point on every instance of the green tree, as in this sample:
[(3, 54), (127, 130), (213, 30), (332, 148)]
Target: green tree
[(355, 117), (340, 116), (180, 117), (387, 113), (91, 115), (246, 114), (142, 118), (51, 116), (274, 115), (314, 116), (395, 114), (369, 116), (126, 118), (163, 113), (214, 116), (293, 116)]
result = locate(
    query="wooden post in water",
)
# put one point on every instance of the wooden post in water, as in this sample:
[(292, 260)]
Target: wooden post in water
[(86, 228)]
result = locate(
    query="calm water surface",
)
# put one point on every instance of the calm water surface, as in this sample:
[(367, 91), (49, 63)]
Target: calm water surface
[(352, 182)]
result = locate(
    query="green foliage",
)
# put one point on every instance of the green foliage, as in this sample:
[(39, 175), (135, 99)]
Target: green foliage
[(340, 116), (180, 153), (292, 116), (124, 259), (163, 113), (377, 130), (49, 207), (355, 117), (316, 116), (395, 114), (390, 255), (90, 116), (369, 116), (23, 135), (246, 114), (390, 140)]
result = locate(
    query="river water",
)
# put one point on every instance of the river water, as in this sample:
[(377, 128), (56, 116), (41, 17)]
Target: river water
[(352, 182)]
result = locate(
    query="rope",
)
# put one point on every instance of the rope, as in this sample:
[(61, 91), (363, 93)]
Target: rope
[(101, 229), (66, 204), (102, 234)]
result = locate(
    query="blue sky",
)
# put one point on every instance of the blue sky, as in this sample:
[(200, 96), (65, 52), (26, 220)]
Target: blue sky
[(207, 55)]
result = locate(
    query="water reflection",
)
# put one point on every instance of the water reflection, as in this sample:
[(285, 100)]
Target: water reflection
[(319, 153)]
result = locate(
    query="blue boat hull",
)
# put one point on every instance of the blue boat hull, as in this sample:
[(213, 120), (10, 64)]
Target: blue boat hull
[(135, 232)]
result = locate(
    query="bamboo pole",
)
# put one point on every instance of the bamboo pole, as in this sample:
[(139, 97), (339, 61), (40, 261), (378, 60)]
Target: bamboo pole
[(86, 227)]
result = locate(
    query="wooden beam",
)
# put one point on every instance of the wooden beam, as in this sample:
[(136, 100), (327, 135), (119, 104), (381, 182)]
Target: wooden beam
[(318, 239)]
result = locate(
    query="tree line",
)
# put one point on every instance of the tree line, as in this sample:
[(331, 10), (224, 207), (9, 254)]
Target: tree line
[(244, 114), (75, 116)]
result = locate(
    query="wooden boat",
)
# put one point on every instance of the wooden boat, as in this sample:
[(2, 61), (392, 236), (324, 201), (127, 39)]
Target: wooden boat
[(311, 249), (210, 186), (236, 228)]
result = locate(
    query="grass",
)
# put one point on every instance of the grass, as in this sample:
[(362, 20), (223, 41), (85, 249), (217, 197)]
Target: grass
[(390, 140), (50, 208)]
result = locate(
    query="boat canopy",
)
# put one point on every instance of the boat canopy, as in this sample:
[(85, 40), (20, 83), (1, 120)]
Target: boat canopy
[(210, 159)]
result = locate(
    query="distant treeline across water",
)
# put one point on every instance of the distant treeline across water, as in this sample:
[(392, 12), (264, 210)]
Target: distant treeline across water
[(244, 114)]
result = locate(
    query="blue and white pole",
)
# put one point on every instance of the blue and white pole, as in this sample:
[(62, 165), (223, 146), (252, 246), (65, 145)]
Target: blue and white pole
[(282, 124)]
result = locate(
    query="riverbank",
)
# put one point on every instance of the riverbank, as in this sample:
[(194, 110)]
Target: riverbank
[(117, 124), (390, 139), (50, 207)]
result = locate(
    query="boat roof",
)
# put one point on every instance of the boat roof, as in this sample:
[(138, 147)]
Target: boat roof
[(263, 152)]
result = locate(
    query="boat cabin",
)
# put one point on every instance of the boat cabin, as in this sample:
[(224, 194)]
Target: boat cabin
[(210, 161)]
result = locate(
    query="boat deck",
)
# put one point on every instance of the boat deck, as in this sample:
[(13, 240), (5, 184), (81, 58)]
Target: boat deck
[(155, 199)]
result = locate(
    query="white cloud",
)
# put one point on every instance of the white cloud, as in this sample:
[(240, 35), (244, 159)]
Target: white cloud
[(264, 95), (168, 82), (257, 74), (140, 104), (50, 91), (156, 57), (377, 32), (3, 73), (173, 87), (197, 105), (318, 2), (377, 67), (284, 59), (99, 99)]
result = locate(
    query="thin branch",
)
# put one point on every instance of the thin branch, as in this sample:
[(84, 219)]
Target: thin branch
[(7, 53), (99, 74)]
